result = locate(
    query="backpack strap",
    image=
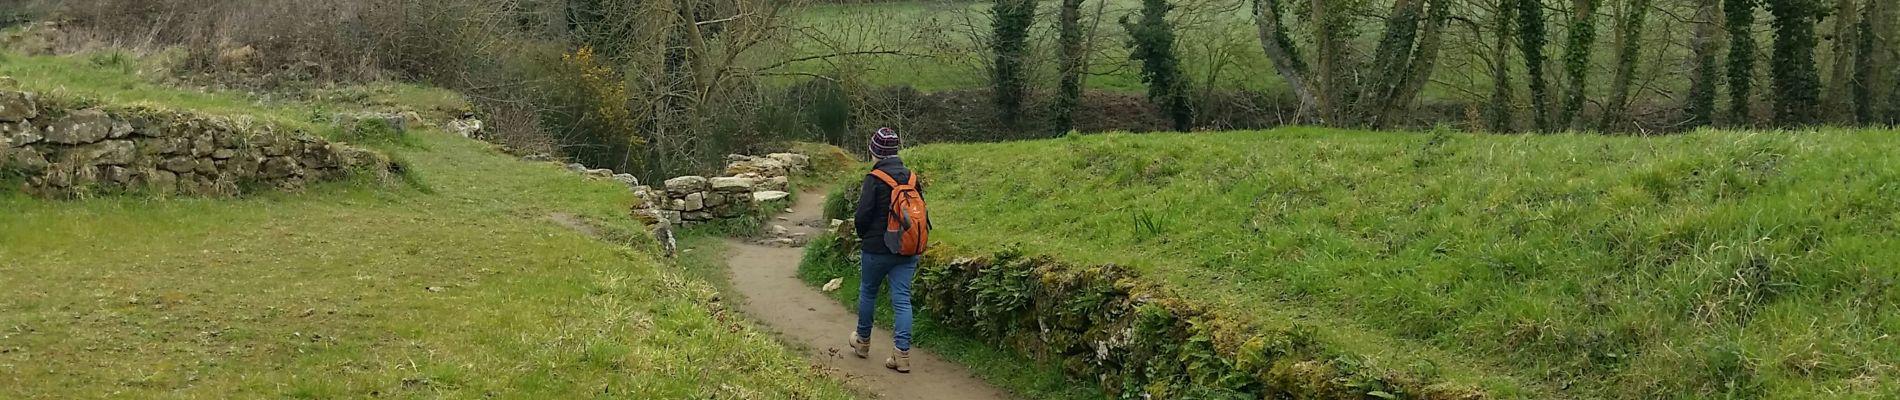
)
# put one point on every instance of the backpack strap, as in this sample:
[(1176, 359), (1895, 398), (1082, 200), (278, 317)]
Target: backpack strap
[(888, 180)]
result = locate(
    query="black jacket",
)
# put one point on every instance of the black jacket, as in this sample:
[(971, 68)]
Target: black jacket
[(874, 204)]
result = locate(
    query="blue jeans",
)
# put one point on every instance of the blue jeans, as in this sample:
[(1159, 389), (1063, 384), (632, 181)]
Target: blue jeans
[(872, 272)]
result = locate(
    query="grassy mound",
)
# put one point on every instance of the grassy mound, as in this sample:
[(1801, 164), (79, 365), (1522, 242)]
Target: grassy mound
[(1705, 265), (479, 279)]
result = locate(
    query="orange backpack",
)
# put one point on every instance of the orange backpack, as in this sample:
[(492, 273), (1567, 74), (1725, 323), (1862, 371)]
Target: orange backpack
[(907, 231)]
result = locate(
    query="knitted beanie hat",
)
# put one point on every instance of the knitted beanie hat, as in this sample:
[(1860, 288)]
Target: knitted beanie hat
[(885, 143)]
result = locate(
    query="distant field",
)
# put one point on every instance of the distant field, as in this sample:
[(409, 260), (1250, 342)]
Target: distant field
[(462, 283), (1218, 44), (1707, 265), (943, 47)]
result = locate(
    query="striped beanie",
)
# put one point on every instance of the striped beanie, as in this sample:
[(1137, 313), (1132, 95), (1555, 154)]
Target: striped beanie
[(885, 143)]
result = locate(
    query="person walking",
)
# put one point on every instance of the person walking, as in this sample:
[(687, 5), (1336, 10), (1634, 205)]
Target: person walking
[(892, 231)]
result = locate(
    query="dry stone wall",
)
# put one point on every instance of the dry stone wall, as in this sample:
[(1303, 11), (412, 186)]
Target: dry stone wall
[(749, 181), (63, 153)]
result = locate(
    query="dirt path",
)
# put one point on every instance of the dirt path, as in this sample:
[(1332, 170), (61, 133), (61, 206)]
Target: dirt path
[(767, 279)]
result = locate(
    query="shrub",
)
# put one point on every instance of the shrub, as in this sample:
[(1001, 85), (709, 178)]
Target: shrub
[(587, 101)]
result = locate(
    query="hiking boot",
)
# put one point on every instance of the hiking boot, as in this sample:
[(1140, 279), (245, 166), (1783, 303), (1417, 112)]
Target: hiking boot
[(861, 346), (899, 361)]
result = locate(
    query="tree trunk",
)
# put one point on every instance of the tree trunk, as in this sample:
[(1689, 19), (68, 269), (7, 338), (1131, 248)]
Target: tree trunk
[(1840, 76), (1009, 44), (1326, 38), (1390, 60), (1286, 61), (1582, 39), (1701, 102), (1740, 23), (1629, 32), (1864, 68), (1500, 108), (1424, 62), (1887, 53), (1797, 84), (1886, 49), (1070, 90), (1530, 22)]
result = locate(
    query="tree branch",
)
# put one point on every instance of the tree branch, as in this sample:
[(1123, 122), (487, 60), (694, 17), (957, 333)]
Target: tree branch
[(834, 55)]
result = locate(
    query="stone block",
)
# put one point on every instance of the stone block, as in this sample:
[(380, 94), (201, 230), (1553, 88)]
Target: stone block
[(157, 181), (628, 179), (110, 152), (684, 185), (769, 195), (732, 184), (83, 126), (27, 159), (695, 202), (19, 133), (18, 106), (280, 167), (179, 164), (776, 183), (202, 146), (792, 161), (206, 166)]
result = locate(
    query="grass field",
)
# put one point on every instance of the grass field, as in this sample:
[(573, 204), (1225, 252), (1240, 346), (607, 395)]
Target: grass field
[(1707, 265), (124, 78), (942, 45), (463, 283)]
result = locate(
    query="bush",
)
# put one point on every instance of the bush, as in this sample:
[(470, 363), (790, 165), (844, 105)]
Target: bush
[(842, 202), (587, 100)]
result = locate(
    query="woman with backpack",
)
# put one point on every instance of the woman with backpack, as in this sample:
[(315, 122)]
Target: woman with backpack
[(893, 229)]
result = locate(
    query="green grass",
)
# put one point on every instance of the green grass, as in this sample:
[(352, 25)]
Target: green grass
[(461, 285), (122, 78), (1707, 265)]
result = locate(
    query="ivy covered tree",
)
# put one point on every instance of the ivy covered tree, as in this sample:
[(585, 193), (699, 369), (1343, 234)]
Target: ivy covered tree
[(1700, 106), (1498, 113), (1009, 42), (1531, 36), (1389, 62), (1344, 87), (1740, 21), (1582, 38), (1629, 41), (1796, 81), (1864, 68), (1069, 91), (1153, 45)]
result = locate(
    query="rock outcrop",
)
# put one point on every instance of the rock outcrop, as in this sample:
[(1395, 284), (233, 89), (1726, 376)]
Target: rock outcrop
[(64, 153)]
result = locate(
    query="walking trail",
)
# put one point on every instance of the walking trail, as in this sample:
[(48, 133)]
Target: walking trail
[(767, 279)]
